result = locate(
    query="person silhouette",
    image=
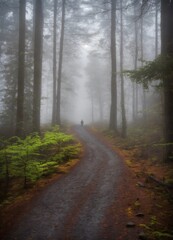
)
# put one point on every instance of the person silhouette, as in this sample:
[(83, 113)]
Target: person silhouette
[(82, 122)]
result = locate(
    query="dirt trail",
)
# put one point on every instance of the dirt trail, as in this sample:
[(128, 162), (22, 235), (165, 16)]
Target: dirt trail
[(75, 206)]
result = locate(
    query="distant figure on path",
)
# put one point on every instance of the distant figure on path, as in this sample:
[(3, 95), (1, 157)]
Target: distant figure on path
[(82, 122)]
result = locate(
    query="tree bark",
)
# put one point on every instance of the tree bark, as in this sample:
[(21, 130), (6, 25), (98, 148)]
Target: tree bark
[(60, 64), (54, 64), (21, 70), (123, 111), (113, 109), (100, 107), (135, 85), (38, 42), (92, 109), (142, 59), (133, 101), (167, 51), (156, 28)]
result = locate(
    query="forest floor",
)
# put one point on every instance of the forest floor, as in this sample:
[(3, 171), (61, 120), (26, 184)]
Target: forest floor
[(145, 193), (107, 195)]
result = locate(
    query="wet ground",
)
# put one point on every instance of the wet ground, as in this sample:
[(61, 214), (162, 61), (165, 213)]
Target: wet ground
[(75, 206)]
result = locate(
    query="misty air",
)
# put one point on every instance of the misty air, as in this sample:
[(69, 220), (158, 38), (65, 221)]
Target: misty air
[(86, 119)]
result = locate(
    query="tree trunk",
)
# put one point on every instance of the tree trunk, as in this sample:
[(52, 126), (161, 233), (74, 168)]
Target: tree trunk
[(92, 109), (100, 107), (167, 50), (113, 109), (124, 124), (156, 28), (54, 63), (100, 102), (60, 64), (133, 101), (38, 42), (21, 69), (142, 59), (136, 63)]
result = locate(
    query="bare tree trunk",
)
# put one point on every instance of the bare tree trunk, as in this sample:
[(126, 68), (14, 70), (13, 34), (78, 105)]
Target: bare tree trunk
[(167, 51), (136, 63), (142, 59), (156, 28), (2, 23), (60, 64), (124, 124), (54, 64), (133, 100), (113, 110), (92, 109), (21, 70), (100, 102), (38, 42), (100, 107)]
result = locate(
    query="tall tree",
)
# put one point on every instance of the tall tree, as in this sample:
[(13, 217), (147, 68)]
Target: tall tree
[(54, 63), (156, 27), (167, 77), (60, 64), (123, 112), (113, 109), (38, 42), (167, 51), (135, 85), (9, 42), (142, 61), (21, 69)]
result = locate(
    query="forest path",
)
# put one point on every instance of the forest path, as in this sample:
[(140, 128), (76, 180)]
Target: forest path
[(75, 206)]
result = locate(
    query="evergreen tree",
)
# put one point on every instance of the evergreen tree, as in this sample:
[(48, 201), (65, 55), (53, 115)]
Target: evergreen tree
[(21, 69), (60, 63), (123, 111), (113, 109), (54, 63), (38, 41), (167, 51)]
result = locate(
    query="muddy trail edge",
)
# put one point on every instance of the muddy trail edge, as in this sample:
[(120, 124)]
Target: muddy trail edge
[(75, 206)]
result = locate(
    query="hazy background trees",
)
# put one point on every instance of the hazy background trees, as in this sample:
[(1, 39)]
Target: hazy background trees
[(66, 60)]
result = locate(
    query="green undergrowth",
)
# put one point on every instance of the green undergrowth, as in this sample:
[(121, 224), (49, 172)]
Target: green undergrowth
[(24, 161), (146, 141), (155, 231), (144, 144)]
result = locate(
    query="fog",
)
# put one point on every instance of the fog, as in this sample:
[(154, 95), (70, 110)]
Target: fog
[(75, 104), (78, 69), (86, 60), (96, 70)]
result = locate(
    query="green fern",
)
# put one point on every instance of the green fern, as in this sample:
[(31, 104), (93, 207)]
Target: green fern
[(28, 158)]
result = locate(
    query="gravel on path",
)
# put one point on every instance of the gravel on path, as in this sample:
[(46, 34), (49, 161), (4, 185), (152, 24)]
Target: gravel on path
[(74, 207)]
